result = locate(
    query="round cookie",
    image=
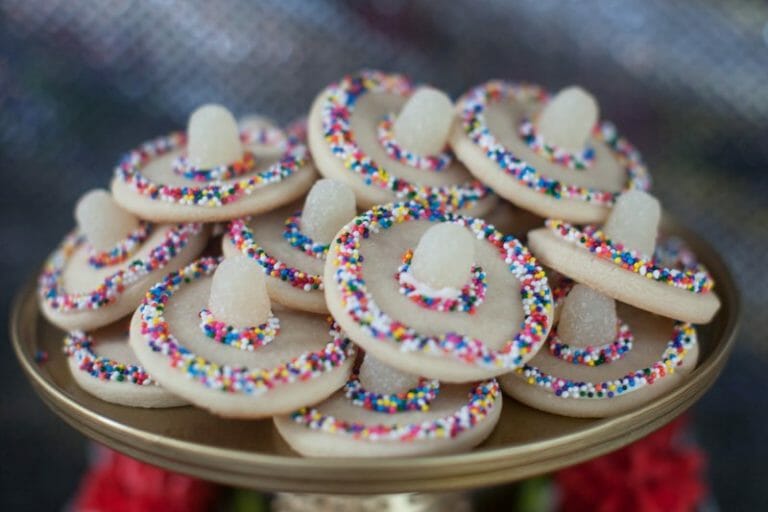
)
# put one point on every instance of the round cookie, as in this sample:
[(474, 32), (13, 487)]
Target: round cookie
[(100, 271), (290, 244), (382, 412), (434, 293), (662, 352), (548, 157), (387, 140), (102, 363), (602, 260), (213, 172), (214, 339)]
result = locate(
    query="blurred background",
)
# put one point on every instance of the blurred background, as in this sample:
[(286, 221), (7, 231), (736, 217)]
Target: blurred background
[(83, 81)]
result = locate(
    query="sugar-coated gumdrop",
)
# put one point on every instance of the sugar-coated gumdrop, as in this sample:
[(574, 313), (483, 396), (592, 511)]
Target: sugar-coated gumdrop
[(256, 122), (329, 205), (444, 256), (568, 119), (102, 221), (423, 124), (634, 221), (239, 293), (377, 377), (213, 137), (588, 318)]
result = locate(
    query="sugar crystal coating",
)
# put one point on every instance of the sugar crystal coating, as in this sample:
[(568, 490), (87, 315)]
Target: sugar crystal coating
[(568, 119), (102, 221), (213, 137), (588, 318), (329, 205), (444, 256), (423, 124), (239, 293), (377, 377), (634, 221)]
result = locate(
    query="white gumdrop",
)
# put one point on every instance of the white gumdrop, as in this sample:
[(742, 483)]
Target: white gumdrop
[(444, 256), (423, 124), (102, 221), (257, 122), (568, 119), (377, 377), (239, 293), (634, 221), (213, 138), (329, 205), (588, 318)]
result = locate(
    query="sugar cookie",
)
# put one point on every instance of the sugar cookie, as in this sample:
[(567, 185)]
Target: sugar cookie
[(545, 156), (437, 294), (100, 272), (603, 360), (214, 172), (214, 339), (290, 244), (382, 412), (387, 139), (601, 260), (102, 363)]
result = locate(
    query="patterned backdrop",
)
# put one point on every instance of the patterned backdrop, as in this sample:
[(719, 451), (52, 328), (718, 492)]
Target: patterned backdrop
[(82, 81)]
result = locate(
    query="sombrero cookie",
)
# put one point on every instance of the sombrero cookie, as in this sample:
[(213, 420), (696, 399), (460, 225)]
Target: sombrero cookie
[(437, 294), (208, 334), (102, 363), (290, 244), (214, 171), (601, 359), (382, 412), (549, 157), (602, 259), (100, 272), (387, 139)]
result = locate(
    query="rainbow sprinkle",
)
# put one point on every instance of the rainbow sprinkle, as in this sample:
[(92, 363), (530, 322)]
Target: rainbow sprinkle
[(79, 345), (556, 154), (183, 167), (416, 399), (696, 279), (593, 356), (225, 378), (481, 400), (683, 340), (362, 309), (265, 136), (211, 195), (473, 106), (249, 338), (241, 237), (338, 106), (299, 240), (467, 299), (386, 136), (122, 250), (50, 286)]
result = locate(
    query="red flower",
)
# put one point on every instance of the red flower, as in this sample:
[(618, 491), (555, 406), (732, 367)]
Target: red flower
[(657, 473), (121, 484)]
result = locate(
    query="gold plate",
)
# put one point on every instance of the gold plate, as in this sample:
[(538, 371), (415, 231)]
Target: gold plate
[(251, 454)]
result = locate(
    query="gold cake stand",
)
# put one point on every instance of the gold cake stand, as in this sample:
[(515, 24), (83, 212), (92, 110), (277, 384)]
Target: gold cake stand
[(251, 454)]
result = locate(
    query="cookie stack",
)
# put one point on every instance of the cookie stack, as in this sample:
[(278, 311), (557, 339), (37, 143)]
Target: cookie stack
[(380, 310)]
